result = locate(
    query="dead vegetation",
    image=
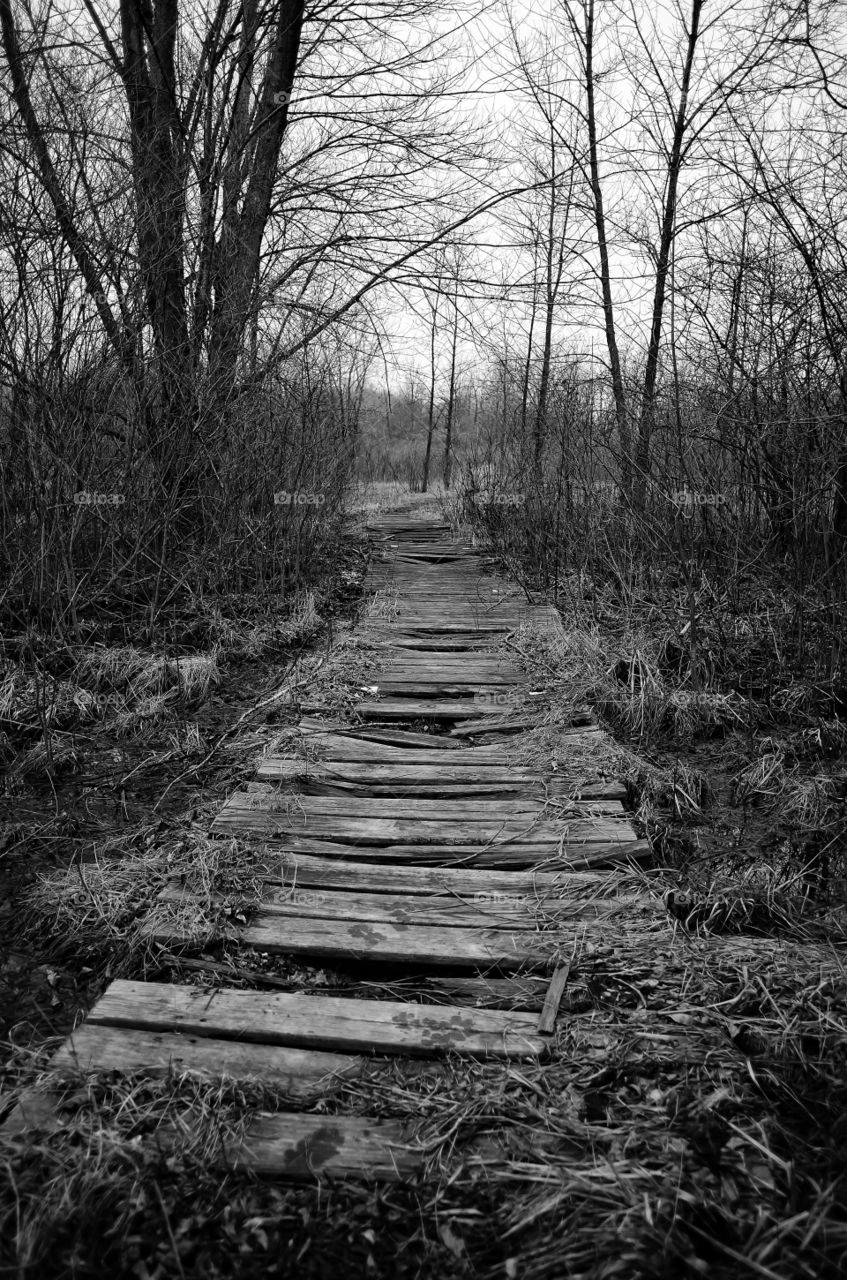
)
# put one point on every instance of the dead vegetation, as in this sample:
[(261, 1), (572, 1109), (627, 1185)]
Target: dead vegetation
[(689, 1123), (682, 1127)]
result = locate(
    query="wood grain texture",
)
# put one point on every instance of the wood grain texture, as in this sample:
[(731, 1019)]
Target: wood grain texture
[(318, 1022)]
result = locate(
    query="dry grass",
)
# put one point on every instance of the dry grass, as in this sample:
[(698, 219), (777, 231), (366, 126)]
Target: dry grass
[(623, 680), (100, 908), (690, 1123), (78, 1197)]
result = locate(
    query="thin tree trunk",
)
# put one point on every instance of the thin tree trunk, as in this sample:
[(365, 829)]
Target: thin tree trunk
[(451, 397), (430, 420), (648, 393), (618, 389)]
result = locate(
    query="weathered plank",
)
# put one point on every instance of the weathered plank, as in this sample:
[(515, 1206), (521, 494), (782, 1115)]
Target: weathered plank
[(503, 855), (396, 708), (297, 1072), (316, 728), (567, 835), (306, 871), (553, 998), (466, 778), (304, 1147), (496, 722), (437, 749), (482, 909), (503, 692), (285, 1145), (515, 809), (318, 1022), (386, 942)]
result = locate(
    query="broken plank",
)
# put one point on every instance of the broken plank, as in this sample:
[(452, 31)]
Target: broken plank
[(369, 733), (394, 708), (503, 856), (496, 722), (440, 750), (493, 777), (553, 998)]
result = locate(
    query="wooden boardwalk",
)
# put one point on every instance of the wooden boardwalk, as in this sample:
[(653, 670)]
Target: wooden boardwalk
[(406, 836)]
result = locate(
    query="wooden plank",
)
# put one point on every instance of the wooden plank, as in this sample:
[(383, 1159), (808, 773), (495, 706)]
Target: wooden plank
[(398, 770), (503, 855), (482, 909), (549, 1012), (441, 750), (524, 992), (489, 777), (297, 1072), (556, 789), (417, 709), (498, 723), (505, 691), (383, 942), (284, 1145), (318, 1022), (567, 834), (516, 810), (310, 726), (307, 871), (461, 666), (384, 637), (305, 1147)]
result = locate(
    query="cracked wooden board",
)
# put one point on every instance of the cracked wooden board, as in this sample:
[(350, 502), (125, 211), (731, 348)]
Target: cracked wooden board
[(398, 708), (565, 837), (322, 741), (305, 870), (466, 778), (504, 855), (515, 809)]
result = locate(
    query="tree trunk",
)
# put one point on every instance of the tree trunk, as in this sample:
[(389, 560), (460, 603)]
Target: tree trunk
[(648, 393), (237, 258), (430, 419), (618, 389), (451, 398)]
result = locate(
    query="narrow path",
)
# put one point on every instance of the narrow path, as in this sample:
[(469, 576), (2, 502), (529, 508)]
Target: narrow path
[(416, 838)]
